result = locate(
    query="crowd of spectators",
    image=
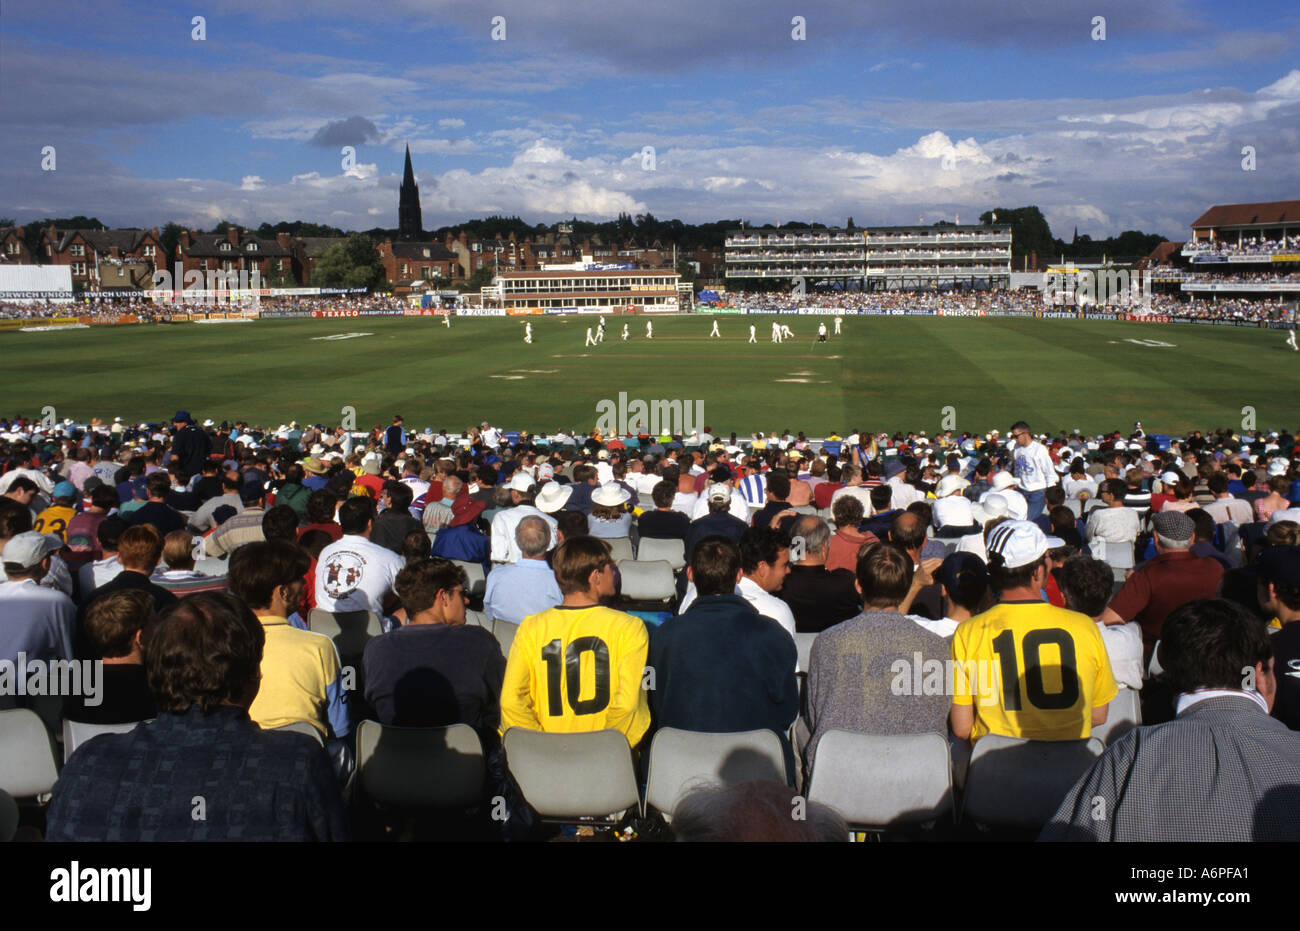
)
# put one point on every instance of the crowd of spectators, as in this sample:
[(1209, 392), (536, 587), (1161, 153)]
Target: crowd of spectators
[(190, 558)]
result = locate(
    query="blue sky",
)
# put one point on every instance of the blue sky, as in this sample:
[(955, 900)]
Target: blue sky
[(889, 111)]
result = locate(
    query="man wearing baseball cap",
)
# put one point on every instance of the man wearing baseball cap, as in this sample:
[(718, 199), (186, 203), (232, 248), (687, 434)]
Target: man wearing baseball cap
[(55, 518), (504, 546), (1172, 578), (1279, 596), (38, 621), (1025, 668), (190, 445)]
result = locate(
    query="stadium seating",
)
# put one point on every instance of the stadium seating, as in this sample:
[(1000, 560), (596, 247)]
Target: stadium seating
[(620, 548), (419, 767), (573, 777), (75, 733), (350, 630), (879, 782), (803, 643), (8, 817), (27, 764), (1122, 715), (646, 581), (681, 760), (1018, 784), (300, 727), (672, 551), (477, 578)]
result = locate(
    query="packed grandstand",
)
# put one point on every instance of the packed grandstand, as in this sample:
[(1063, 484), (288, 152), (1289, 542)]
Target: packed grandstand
[(522, 603)]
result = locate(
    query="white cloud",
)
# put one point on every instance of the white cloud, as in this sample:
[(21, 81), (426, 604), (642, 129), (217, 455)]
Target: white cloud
[(251, 183), (451, 123)]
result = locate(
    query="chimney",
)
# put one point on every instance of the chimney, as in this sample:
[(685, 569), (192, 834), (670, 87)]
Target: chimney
[(184, 241), (285, 240), (156, 234), (232, 234)]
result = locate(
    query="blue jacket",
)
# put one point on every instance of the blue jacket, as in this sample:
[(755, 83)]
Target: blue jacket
[(463, 543)]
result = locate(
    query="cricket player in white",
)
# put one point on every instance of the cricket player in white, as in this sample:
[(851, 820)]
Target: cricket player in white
[(625, 332), (446, 319), (714, 332), (821, 332), (837, 325), (528, 332), (591, 340), (776, 332), (786, 332), (752, 331), (1290, 340), (649, 329), (600, 331)]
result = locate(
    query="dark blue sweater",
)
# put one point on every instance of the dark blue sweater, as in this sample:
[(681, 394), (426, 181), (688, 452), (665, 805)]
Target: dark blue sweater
[(723, 667)]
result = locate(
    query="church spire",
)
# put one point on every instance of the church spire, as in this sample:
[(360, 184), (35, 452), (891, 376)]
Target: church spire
[(410, 225)]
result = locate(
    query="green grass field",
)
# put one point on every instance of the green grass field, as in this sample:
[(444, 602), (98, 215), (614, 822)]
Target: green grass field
[(884, 373)]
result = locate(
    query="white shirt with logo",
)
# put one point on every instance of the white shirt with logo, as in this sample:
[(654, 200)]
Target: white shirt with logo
[(355, 575)]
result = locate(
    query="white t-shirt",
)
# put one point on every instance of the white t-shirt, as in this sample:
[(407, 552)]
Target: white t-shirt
[(766, 604), (861, 492), (504, 546), (738, 509), (953, 511), (355, 575), (685, 502), (1073, 487), (1124, 647), (1113, 525)]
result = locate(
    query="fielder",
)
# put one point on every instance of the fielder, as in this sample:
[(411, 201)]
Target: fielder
[(528, 333), (786, 333), (714, 332), (1290, 340), (446, 319), (649, 329), (591, 340), (776, 332), (838, 320), (600, 331), (625, 332), (752, 331)]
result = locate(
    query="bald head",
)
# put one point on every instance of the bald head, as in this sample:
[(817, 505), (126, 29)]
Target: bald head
[(533, 534), (451, 486), (908, 531)]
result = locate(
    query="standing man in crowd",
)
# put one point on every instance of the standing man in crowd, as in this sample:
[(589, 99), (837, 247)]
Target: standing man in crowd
[(1032, 465)]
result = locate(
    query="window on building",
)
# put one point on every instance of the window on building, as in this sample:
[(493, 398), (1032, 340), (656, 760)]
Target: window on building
[(79, 269), (77, 249), (251, 247), (406, 269), (148, 252), (280, 265), (426, 253), (11, 248), (225, 247)]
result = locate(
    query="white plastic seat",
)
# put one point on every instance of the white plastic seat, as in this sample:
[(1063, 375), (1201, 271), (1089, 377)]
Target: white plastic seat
[(300, 727), (477, 577), (350, 630), (1018, 783), (620, 548), (646, 581), (573, 776), (420, 767), (877, 782), (671, 551), (1122, 715), (682, 760), (76, 733), (27, 765), (803, 644)]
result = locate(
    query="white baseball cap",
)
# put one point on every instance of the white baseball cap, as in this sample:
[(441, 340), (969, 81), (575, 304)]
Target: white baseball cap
[(1020, 543), (718, 491)]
